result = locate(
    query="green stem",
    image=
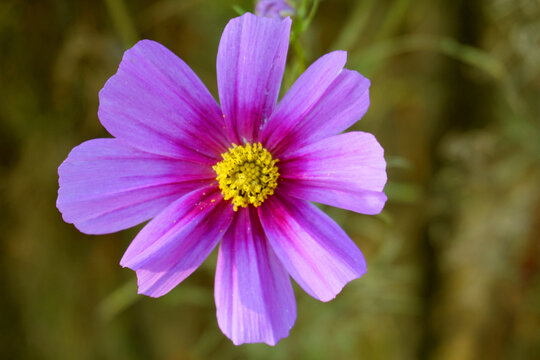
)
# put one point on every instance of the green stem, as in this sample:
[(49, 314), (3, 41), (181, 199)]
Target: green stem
[(122, 21)]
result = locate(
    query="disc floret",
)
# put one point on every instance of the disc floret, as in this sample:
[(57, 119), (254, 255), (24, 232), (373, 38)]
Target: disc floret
[(247, 175)]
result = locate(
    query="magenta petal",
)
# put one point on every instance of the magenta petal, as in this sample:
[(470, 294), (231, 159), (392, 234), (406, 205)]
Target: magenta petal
[(300, 100), (250, 64), (254, 297), (156, 103), (313, 248), (106, 186), (345, 101), (346, 171), (171, 246)]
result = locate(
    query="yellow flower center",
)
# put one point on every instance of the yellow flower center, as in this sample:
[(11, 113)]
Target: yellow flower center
[(247, 175)]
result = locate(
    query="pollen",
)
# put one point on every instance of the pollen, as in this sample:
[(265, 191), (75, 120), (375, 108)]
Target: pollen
[(247, 175)]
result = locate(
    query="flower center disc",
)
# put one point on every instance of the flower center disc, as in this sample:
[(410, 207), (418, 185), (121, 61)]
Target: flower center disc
[(247, 175)]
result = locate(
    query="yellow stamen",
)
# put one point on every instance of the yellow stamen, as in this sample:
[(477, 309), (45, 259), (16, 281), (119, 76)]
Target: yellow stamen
[(247, 175)]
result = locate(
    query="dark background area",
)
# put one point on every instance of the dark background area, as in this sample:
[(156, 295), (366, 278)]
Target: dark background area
[(453, 260)]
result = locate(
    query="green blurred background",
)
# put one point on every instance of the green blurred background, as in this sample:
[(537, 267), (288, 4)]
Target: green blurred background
[(453, 261)]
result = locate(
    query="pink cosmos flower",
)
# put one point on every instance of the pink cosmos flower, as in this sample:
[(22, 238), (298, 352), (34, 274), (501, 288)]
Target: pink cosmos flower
[(278, 9), (243, 174)]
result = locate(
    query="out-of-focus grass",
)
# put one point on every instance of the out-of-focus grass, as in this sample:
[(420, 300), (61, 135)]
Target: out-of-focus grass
[(452, 260)]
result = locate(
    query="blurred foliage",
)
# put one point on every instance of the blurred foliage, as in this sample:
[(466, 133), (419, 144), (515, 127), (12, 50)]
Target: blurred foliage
[(453, 261)]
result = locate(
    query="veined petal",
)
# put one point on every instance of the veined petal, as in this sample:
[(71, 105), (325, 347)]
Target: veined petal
[(171, 246), (345, 101), (250, 64), (346, 171), (316, 252), (156, 103), (301, 99), (254, 297), (106, 185)]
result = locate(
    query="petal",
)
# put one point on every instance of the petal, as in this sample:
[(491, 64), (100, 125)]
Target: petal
[(346, 171), (345, 101), (250, 64), (156, 103), (171, 246), (106, 186), (303, 98), (254, 297), (316, 252), (274, 8)]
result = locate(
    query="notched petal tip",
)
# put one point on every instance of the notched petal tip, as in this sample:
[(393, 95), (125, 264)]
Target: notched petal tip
[(312, 247), (106, 186), (339, 289), (296, 105), (339, 54), (347, 171), (250, 63), (152, 101), (254, 297), (376, 203)]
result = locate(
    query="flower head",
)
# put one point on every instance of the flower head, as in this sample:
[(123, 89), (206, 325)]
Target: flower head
[(278, 9), (242, 174)]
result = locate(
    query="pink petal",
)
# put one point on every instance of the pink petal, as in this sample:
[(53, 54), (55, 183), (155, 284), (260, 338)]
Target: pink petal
[(345, 101), (346, 171), (156, 103), (277, 9), (316, 252), (301, 100), (171, 246), (250, 64), (254, 297), (106, 186)]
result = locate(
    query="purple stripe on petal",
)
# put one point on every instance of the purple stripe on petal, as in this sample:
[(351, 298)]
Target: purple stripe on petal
[(171, 246), (346, 171), (316, 252), (254, 297), (299, 101), (106, 186), (156, 103), (345, 101), (250, 64)]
